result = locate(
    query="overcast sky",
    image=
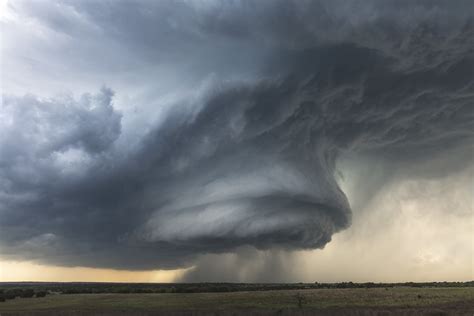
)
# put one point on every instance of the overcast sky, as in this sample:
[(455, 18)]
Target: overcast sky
[(237, 140)]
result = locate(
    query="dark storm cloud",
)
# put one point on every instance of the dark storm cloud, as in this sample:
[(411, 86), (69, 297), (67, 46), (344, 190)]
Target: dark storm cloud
[(251, 161)]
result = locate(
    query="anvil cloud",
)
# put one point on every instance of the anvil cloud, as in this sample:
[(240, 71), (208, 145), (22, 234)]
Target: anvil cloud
[(263, 99)]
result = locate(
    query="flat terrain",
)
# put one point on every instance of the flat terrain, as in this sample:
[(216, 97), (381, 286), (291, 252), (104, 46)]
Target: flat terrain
[(358, 301)]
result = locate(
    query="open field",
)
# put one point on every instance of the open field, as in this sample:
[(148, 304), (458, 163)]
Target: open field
[(349, 301)]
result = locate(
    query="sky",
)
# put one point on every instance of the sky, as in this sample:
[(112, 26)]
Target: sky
[(242, 141)]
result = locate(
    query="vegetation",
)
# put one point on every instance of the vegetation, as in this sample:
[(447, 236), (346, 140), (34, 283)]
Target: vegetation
[(300, 299), (11, 290), (12, 293), (413, 300), (143, 298)]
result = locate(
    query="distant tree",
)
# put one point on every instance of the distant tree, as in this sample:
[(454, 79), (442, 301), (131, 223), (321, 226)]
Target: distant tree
[(27, 293), (10, 294), (41, 293)]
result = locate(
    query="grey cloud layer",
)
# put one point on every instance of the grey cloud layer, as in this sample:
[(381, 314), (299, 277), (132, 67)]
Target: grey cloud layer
[(252, 160)]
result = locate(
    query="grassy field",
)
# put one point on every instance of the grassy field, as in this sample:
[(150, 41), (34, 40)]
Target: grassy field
[(331, 301)]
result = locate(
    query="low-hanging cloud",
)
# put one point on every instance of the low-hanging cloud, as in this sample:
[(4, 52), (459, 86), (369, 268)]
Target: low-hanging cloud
[(250, 161)]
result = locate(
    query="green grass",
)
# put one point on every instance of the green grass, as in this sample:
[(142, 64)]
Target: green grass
[(314, 298)]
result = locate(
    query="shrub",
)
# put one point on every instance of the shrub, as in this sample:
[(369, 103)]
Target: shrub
[(10, 294), (41, 293), (300, 299), (27, 293)]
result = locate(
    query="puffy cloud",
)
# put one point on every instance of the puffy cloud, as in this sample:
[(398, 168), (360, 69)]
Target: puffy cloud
[(251, 159)]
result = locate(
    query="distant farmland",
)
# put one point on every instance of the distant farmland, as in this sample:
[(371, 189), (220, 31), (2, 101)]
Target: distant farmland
[(240, 299)]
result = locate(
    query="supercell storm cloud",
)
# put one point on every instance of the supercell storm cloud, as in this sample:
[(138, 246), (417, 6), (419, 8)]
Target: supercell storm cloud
[(276, 92)]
